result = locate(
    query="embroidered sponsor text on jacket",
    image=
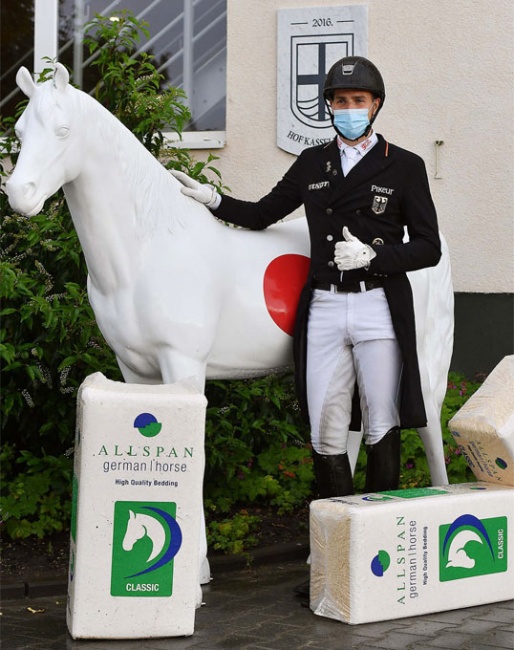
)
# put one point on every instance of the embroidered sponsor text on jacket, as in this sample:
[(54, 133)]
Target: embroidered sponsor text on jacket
[(318, 186), (382, 190)]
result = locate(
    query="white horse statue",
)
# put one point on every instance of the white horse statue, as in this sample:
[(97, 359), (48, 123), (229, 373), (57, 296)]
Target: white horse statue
[(176, 293)]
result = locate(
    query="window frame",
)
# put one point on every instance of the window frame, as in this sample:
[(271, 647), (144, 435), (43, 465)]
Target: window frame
[(46, 44)]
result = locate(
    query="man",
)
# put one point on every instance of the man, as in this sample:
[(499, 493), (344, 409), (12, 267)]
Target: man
[(355, 323)]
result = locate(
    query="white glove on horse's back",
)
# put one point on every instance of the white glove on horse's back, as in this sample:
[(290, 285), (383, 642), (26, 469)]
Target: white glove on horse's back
[(205, 194), (352, 253)]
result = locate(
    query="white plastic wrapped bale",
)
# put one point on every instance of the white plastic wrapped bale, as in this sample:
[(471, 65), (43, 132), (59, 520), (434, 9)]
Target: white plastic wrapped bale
[(405, 553), (137, 508), (484, 427)]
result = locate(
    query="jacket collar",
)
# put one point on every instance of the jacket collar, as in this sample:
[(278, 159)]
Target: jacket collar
[(372, 163)]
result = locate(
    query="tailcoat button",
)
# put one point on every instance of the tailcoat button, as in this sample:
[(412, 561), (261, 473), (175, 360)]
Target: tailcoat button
[(329, 238), (329, 210), (358, 211), (331, 263), (334, 172), (378, 241)]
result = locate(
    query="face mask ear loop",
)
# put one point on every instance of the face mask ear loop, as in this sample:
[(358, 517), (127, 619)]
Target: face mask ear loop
[(336, 129), (373, 117), (331, 113), (368, 130)]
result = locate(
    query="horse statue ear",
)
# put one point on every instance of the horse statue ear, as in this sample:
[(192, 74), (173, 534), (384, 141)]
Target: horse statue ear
[(61, 77), (25, 82)]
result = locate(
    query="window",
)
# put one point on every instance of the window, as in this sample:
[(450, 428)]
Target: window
[(187, 39)]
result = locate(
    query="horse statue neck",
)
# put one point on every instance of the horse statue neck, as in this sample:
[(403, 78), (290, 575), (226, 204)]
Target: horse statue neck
[(122, 200)]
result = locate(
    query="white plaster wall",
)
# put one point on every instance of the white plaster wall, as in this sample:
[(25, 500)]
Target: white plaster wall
[(448, 71)]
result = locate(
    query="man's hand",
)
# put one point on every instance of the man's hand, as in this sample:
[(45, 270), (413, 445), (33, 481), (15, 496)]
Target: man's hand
[(352, 253), (205, 194)]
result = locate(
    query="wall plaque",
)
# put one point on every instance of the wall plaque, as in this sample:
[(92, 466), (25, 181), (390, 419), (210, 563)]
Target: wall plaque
[(309, 41)]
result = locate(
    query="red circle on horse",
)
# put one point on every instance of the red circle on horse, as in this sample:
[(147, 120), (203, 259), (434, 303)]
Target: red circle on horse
[(284, 279)]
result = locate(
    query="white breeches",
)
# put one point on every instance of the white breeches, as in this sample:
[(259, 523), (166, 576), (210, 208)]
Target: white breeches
[(350, 337)]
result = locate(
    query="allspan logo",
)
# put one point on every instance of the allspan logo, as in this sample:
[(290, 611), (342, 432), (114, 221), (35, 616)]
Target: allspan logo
[(380, 563), (147, 425), (471, 547), (146, 539)]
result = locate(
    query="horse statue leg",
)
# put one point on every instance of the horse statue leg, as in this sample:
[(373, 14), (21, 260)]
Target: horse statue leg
[(432, 438), (176, 367)]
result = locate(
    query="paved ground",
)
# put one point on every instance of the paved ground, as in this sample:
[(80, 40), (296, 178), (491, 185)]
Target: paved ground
[(257, 610)]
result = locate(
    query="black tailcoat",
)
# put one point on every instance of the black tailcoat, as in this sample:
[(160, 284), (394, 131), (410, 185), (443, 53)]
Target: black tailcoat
[(386, 192)]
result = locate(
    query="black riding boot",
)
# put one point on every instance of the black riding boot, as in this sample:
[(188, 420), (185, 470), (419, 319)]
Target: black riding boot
[(333, 475), (334, 479), (383, 467)]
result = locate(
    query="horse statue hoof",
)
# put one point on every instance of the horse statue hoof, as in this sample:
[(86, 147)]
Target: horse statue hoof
[(205, 572)]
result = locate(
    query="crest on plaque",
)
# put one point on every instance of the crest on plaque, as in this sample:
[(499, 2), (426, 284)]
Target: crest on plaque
[(311, 59)]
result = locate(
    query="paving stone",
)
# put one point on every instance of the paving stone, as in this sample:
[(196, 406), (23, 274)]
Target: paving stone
[(395, 639), (493, 611), (498, 612), (428, 628), (380, 628), (479, 626), (257, 610), (498, 639), (458, 640)]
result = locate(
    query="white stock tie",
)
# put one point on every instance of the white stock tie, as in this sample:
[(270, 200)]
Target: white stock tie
[(349, 159)]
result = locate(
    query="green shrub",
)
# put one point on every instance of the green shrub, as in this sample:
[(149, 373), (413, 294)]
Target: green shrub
[(36, 500), (244, 417), (256, 454), (234, 534)]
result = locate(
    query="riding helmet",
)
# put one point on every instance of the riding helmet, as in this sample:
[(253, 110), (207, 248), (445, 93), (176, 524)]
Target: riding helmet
[(354, 72)]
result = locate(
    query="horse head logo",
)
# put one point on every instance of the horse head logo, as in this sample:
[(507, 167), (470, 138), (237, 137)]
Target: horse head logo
[(140, 526), (457, 555), (464, 530), (163, 531)]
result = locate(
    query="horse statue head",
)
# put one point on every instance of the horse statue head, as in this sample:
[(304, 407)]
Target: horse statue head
[(54, 141)]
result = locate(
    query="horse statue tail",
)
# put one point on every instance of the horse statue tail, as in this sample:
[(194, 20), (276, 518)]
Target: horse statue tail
[(435, 318), (439, 340)]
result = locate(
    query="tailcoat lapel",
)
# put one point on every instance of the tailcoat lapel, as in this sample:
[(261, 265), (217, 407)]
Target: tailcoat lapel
[(331, 163)]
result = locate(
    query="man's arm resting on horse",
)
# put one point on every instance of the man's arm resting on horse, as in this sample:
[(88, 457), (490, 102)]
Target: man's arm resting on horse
[(281, 201)]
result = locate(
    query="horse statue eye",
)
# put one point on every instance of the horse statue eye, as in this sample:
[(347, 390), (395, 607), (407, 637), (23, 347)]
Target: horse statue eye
[(62, 131)]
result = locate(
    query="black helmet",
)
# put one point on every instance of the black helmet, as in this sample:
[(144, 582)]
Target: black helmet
[(358, 73), (354, 72)]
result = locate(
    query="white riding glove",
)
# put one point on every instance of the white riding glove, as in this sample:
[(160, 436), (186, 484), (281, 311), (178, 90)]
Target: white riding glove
[(205, 194), (352, 253)]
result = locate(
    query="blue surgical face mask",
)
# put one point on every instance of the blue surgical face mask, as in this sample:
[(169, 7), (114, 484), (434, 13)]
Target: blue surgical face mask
[(351, 122)]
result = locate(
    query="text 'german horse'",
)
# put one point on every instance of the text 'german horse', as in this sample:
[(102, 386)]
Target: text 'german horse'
[(176, 293)]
